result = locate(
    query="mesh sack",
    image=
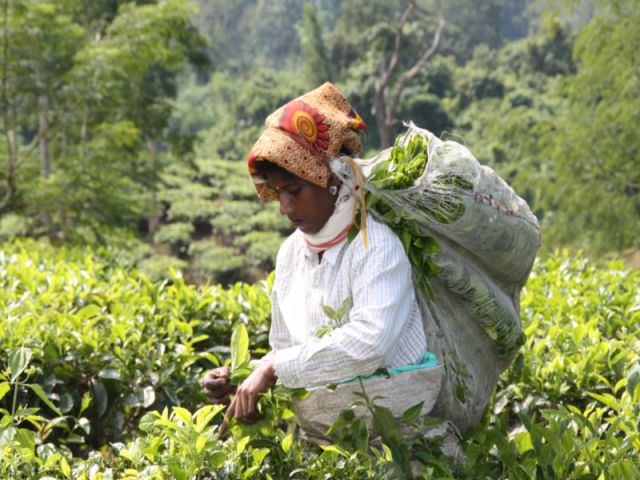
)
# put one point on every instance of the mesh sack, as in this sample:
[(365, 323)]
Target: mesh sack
[(489, 240)]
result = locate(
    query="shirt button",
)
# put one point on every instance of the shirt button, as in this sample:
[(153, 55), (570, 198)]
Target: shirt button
[(317, 283)]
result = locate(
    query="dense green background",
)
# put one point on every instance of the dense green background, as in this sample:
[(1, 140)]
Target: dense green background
[(107, 347), (124, 129), (127, 123)]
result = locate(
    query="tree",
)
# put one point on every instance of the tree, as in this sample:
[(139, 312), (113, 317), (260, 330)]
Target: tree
[(562, 130), (386, 101), (593, 150), (316, 65), (88, 84)]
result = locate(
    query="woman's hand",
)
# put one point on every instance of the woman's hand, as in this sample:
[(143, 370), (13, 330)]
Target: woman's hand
[(244, 404), (216, 386)]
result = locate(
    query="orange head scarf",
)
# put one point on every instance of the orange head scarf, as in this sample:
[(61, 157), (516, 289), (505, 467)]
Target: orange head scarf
[(305, 135)]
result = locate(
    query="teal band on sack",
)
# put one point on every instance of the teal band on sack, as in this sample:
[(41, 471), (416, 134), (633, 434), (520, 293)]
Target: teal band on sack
[(428, 360)]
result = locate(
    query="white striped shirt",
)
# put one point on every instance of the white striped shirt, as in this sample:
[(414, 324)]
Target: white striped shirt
[(383, 327)]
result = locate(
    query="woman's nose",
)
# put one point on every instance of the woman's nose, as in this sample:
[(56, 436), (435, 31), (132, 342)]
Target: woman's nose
[(286, 206)]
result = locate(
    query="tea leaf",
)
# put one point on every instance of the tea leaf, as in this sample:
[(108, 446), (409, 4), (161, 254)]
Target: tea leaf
[(286, 443), (329, 312), (4, 389), (217, 459), (633, 378), (110, 374), (343, 310), (337, 425), (608, 399), (411, 415), (324, 330), (241, 444), (201, 442), (88, 311), (18, 361), (259, 455), (239, 345), (100, 395), (335, 448), (147, 422), (126, 454), (178, 473), (37, 389), (385, 425), (64, 467), (184, 415)]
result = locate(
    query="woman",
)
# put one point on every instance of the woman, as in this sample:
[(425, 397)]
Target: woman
[(295, 162)]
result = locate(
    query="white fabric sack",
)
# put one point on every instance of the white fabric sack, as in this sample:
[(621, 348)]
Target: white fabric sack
[(320, 410), (473, 325)]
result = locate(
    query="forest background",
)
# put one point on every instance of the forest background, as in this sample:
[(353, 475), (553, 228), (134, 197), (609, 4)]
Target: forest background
[(128, 123)]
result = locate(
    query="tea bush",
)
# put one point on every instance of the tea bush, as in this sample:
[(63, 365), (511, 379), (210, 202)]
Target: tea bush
[(101, 371), (94, 325)]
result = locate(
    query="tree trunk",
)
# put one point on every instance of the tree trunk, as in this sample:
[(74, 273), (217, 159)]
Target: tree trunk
[(387, 138), (385, 127), (45, 159), (154, 217), (386, 107), (43, 101)]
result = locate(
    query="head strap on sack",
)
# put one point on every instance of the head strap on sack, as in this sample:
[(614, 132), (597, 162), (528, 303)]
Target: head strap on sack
[(357, 173)]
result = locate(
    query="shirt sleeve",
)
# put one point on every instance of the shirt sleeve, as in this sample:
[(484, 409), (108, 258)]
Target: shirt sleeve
[(279, 336), (382, 298)]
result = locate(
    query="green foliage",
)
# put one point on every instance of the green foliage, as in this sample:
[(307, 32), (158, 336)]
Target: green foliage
[(404, 166), (97, 327), (555, 118), (161, 267), (12, 225), (93, 351), (174, 233), (218, 227), (335, 315), (88, 87), (317, 67), (228, 113)]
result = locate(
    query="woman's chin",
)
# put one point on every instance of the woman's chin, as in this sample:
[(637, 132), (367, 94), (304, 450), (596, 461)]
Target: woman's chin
[(307, 230)]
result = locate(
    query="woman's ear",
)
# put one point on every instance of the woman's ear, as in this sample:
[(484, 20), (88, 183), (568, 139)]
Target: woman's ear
[(333, 185), (333, 181)]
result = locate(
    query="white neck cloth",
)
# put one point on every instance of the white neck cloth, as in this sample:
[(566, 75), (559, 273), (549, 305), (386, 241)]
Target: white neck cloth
[(341, 219)]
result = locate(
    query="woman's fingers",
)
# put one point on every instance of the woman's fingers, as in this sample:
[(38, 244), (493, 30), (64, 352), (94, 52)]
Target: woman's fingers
[(216, 386), (248, 413), (224, 400), (229, 415), (245, 402), (216, 378), (241, 407), (219, 392)]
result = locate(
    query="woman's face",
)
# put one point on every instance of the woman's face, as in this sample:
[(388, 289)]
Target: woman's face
[(307, 205)]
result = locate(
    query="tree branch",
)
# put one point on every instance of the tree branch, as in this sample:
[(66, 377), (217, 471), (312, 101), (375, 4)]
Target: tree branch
[(5, 103), (383, 67), (14, 126), (13, 167), (428, 54), (410, 74), (34, 144), (393, 64)]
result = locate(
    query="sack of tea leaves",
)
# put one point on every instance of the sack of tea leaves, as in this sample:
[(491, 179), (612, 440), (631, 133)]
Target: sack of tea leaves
[(472, 243)]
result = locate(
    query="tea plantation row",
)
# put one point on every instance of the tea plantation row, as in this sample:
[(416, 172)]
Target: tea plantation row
[(90, 348)]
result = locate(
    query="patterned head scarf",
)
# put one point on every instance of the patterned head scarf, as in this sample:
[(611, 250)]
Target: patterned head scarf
[(305, 135)]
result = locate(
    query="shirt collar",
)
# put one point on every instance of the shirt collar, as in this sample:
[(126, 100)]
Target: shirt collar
[(330, 256)]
